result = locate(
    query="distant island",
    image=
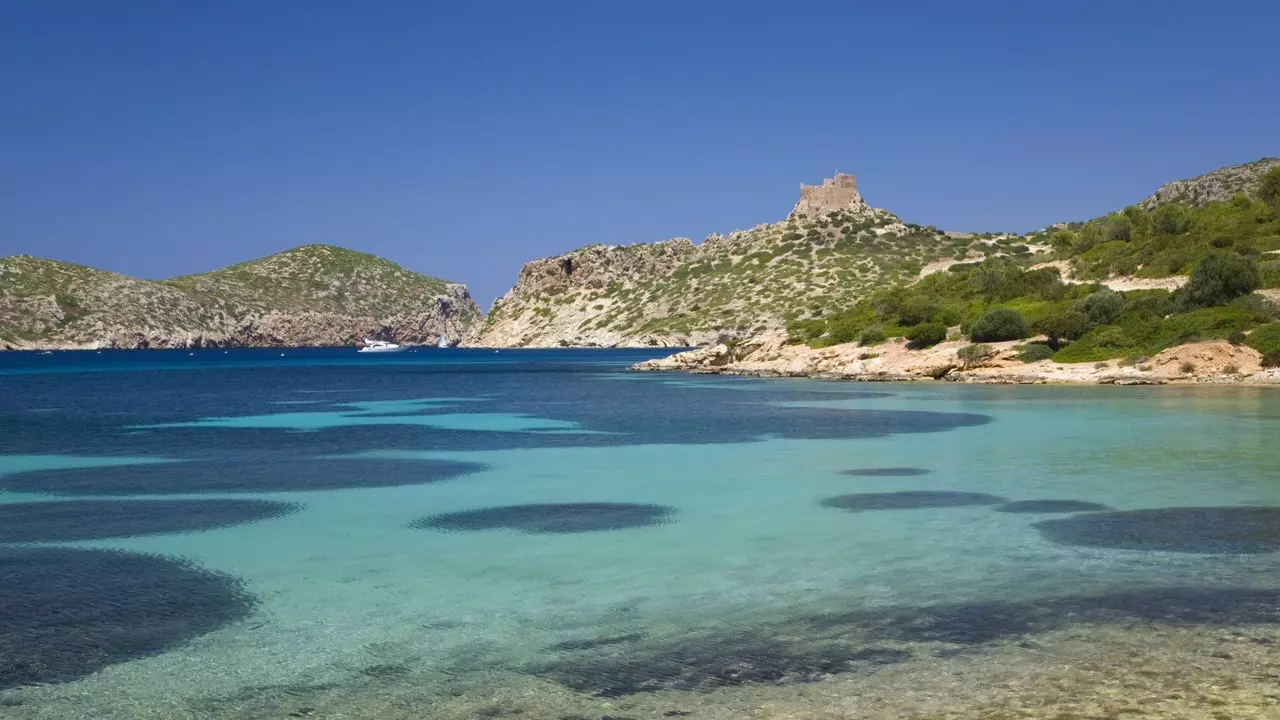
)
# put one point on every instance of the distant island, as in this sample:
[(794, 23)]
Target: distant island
[(315, 295)]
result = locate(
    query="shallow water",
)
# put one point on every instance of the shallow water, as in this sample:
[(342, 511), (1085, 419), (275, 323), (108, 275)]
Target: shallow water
[(465, 533)]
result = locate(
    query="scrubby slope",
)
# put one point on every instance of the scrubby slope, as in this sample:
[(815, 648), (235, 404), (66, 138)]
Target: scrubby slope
[(49, 302), (316, 278), (312, 295), (1216, 258), (677, 293)]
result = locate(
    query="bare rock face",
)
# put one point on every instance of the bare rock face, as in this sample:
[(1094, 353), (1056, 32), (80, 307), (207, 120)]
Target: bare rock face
[(548, 305), (596, 266), (833, 195), (1217, 186)]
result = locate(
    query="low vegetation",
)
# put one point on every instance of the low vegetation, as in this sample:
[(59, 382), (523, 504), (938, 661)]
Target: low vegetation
[(1226, 247), (1266, 340), (1171, 239), (997, 301)]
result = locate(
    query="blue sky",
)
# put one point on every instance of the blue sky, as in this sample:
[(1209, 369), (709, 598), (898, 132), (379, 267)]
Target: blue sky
[(156, 138)]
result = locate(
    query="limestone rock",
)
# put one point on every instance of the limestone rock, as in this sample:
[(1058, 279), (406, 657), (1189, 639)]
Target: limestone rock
[(769, 355), (1217, 186)]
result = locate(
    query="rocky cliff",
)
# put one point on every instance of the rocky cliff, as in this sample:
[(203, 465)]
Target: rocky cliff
[(316, 295), (831, 248), (1217, 186)]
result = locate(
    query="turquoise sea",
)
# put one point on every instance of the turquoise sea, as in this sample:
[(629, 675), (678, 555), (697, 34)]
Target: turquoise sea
[(542, 534)]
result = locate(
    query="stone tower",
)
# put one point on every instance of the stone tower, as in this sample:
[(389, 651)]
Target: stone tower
[(835, 193)]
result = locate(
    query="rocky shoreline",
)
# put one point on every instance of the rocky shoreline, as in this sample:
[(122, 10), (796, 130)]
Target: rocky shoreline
[(770, 355)]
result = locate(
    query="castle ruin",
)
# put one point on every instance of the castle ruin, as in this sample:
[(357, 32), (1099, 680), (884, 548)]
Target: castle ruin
[(835, 193)]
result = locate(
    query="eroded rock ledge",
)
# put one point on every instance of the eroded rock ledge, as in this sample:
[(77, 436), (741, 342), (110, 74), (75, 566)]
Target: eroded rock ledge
[(769, 355)]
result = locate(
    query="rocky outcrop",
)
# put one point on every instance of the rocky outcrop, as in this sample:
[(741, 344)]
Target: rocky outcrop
[(311, 296), (1217, 186), (1215, 362), (549, 304), (597, 266)]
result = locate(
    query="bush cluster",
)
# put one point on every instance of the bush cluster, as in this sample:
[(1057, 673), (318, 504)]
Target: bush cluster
[(927, 334), (1102, 306), (999, 325), (1068, 325), (873, 335), (1031, 352), (1220, 278)]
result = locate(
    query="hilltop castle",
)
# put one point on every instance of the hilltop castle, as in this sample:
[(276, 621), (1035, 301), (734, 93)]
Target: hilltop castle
[(835, 193)]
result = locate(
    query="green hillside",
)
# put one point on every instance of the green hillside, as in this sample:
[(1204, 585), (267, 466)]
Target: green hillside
[(1226, 248)]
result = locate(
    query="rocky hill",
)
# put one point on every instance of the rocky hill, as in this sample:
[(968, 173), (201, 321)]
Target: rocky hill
[(1217, 186), (831, 249), (313, 295), (834, 250), (1185, 289)]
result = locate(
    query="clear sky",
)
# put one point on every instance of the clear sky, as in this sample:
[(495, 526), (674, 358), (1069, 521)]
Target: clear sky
[(162, 137)]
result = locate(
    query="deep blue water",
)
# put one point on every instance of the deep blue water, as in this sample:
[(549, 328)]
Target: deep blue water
[(179, 528)]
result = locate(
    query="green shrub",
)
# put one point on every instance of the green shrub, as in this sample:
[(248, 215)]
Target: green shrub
[(1102, 307), (1266, 340), (1069, 325), (915, 310), (999, 325), (1269, 190), (1175, 262), (843, 330), (1220, 278), (1031, 352), (1149, 304), (873, 335), (1111, 337), (1236, 337), (1171, 219), (927, 335), (1119, 227)]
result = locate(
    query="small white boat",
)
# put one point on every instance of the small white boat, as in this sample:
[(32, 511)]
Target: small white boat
[(381, 346)]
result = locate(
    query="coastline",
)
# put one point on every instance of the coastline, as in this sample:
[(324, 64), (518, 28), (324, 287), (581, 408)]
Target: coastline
[(1204, 363)]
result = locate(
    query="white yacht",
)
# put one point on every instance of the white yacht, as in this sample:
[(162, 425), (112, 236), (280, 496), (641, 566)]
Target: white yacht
[(381, 346)]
